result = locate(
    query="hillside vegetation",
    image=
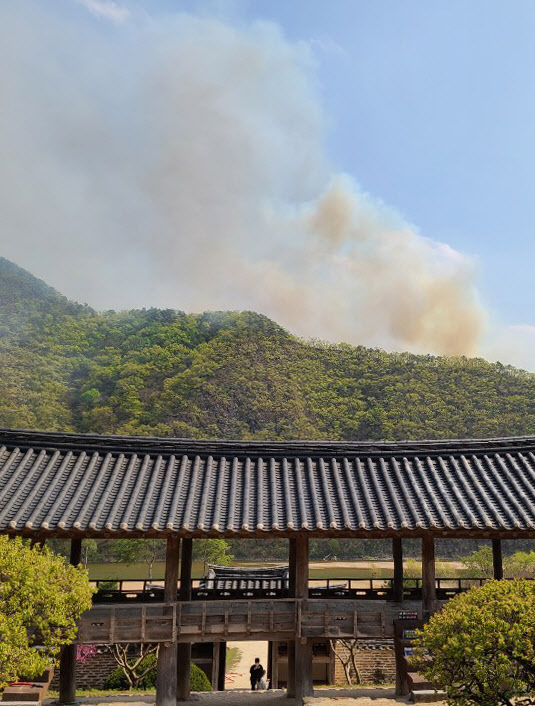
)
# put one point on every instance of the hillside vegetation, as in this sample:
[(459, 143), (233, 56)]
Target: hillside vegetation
[(235, 375)]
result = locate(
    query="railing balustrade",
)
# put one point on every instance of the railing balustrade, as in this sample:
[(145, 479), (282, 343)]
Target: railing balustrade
[(208, 621), (151, 591)]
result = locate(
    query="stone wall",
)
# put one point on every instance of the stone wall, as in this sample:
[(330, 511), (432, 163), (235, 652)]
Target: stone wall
[(92, 673), (375, 661)]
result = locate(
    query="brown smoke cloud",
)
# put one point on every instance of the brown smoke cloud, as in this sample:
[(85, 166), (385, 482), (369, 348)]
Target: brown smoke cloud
[(182, 164)]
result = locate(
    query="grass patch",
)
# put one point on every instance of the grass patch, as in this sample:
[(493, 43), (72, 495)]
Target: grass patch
[(232, 658), (328, 570)]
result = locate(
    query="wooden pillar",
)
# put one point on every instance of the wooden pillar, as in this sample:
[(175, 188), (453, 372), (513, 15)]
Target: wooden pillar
[(166, 679), (184, 648), (214, 678), (397, 552), (291, 566), (290, 682), (497, 559), (332, 664), (67, 664), (269, 668), (303, 646), (274, 665), (428, 576), (222, 665)]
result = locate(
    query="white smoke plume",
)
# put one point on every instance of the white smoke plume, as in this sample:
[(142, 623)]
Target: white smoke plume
[(181, 163), (105, 9)]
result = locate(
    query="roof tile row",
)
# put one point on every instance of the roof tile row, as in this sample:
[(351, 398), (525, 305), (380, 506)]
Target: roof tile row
[(50, 485)]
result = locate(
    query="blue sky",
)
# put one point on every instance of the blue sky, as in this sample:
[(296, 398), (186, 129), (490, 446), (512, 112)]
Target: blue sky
[(427, 108)]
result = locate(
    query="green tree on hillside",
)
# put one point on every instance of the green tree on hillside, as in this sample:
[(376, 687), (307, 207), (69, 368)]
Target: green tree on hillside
[(232, 375)]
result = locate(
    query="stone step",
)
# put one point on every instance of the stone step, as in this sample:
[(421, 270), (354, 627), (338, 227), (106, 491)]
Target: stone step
[(427, 696), (417, 682)]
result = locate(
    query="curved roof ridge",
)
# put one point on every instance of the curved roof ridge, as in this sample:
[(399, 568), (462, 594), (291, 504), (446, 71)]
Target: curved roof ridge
[(24, 438)]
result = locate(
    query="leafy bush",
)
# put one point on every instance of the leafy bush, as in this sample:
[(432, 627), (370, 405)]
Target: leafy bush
[(41, 598), (105, 586), (481, 647), (117, 679), (199, 680)]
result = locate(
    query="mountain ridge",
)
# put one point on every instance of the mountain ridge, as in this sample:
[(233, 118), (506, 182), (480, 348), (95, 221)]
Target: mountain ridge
[(239, 375)]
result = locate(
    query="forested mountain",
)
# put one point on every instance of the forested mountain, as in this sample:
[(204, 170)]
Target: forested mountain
[(237, 375)]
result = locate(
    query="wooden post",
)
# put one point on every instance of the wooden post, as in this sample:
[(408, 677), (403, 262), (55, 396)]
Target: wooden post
[(222, 663), (397, 551), (497, 560), (303, 646), (274, 664), (428, 576), (67, 664), (291, 567), (332, 664), (290, 681), (166, 678), (184, 648), (269, 668), (214, 679)]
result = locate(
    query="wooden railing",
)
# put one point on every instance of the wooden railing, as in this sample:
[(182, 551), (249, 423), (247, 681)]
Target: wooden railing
[(212, 621), (372, 588)]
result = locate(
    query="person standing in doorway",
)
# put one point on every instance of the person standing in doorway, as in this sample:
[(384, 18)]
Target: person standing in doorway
[(256, 672)]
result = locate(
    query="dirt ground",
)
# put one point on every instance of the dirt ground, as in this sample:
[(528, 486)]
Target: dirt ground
[(322, 697), (238, 677)]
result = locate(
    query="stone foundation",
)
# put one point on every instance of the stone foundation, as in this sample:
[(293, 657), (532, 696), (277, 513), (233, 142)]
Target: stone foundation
[(375, 661), (92, 673)]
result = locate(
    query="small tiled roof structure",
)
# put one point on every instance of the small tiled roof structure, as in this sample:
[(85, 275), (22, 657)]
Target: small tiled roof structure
[(232, 578), (72, 485)]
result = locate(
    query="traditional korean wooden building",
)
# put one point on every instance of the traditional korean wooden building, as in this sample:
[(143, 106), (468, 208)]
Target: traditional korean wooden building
[(78, 486)]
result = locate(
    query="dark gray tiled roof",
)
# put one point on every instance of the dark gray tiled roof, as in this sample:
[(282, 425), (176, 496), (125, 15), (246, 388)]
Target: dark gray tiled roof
[(231, 578), (68, 484)]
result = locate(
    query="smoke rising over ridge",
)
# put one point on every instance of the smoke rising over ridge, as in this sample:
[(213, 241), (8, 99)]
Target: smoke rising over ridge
[(182, 164)]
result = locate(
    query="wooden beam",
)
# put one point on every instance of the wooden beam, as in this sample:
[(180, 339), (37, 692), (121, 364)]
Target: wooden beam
[(397, 552), (166, 679), (184, 648), (428, 576), (497, 559), (67, 664), (303, 647)]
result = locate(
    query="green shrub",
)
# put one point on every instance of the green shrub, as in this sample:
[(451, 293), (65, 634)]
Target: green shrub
[(117, 679), (108, 586), (480, 648), (199, 680)]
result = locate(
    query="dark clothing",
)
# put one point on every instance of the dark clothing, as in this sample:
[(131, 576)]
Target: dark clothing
[(256, 672)]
